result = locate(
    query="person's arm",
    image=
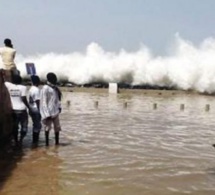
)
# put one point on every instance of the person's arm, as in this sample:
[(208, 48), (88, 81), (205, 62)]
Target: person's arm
[(60, 97), (60, 108), (24, 97), (38, 104), (37, 98), (14, 55)]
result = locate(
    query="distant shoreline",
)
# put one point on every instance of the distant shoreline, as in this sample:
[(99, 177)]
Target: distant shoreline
[(152, 92)]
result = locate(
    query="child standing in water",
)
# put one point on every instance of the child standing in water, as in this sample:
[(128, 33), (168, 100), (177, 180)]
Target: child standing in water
[(34, 103), (50, 107)]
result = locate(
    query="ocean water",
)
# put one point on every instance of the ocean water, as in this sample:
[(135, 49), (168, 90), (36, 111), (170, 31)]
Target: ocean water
[(123, 144)]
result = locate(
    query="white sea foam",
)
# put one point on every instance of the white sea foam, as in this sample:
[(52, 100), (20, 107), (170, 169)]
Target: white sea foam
[(187, 67)]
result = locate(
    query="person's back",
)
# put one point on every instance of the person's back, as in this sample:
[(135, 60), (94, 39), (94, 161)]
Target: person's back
[(18, 93), (50, 107), (34, 103), (49, 103), (34, 95), (8, 55)]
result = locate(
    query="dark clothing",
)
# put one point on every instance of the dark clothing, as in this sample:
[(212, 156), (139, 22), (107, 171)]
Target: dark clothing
[(10, 73), (20, 117), (36, 119)]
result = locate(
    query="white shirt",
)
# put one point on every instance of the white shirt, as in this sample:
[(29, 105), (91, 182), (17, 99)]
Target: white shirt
[(34, 95), (49, 102), (8, 55), (16, 93)]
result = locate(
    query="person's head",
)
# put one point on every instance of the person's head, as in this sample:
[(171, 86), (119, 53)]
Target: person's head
[(8, 43), (35, 80), (52, 78), (16, 79)]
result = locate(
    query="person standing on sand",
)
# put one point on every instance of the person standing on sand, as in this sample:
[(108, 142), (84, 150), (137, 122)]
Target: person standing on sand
[(34, 103), (8, 54), (50, 107)]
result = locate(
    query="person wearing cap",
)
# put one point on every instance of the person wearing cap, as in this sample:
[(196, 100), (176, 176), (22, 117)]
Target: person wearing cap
[(50, 108), (8, 54)]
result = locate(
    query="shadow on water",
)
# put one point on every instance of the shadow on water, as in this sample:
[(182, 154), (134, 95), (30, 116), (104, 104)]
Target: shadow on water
[(9, 157), (20, 167)]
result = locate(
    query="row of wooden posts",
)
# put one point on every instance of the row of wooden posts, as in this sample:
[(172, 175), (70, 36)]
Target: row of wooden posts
[(155, 105), (113, 88)]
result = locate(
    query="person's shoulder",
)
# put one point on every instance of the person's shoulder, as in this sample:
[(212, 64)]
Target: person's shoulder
[(8, 84), (2, 49), (31, 89), (35, 89), (12, 50), (7, 50), (23, 87), (45, 87)]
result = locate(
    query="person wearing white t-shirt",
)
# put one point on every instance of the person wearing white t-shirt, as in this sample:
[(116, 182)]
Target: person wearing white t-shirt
[(19, 102), (50, 107), (34, 103), (8, 54)]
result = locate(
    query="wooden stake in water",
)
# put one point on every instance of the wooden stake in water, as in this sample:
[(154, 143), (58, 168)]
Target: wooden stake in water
[(125, 104), (207, 107), (96, 104), (182, 107), (68, 103), (155, 106)]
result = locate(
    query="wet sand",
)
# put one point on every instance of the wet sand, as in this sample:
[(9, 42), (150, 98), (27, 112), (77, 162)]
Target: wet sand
[(29, 171)]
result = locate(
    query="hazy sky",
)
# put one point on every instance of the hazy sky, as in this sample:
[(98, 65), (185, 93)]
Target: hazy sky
[(63, 26)]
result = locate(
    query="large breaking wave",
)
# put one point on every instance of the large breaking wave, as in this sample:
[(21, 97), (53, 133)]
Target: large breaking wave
[(187, 67)]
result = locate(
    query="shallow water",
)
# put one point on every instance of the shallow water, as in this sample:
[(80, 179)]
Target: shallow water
[(110, 147)]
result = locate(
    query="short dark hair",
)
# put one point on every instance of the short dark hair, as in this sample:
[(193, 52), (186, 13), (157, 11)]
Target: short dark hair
[(8, 42), (35, 80), (52, 78), (16, 79)]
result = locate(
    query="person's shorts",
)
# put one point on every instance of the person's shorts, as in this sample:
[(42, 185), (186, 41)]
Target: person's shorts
[(48, 124)]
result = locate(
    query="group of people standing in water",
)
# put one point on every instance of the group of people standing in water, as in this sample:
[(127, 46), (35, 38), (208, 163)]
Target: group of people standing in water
[(42, 104)]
